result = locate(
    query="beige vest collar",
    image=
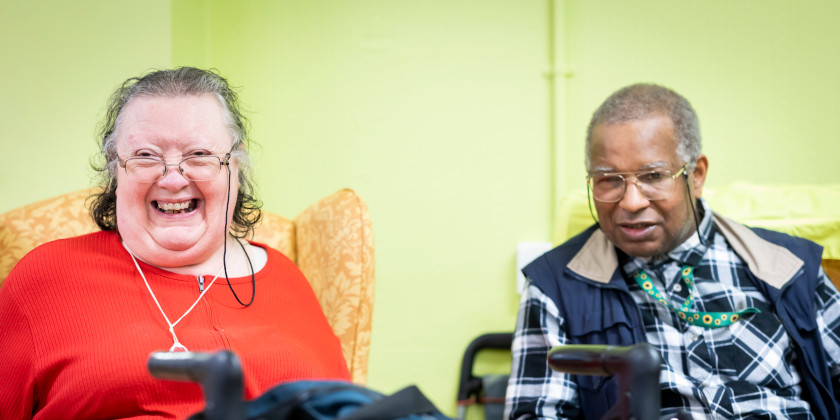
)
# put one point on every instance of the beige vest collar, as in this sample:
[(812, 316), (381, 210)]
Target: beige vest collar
[(771, 263)]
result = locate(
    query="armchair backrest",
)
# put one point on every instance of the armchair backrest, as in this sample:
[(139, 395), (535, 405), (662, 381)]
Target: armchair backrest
[(331, 242)]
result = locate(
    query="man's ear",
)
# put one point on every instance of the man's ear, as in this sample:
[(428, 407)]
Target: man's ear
[(698, 177)]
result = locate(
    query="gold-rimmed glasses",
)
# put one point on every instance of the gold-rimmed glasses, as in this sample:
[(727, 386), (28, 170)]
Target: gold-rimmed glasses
[(653, 184)]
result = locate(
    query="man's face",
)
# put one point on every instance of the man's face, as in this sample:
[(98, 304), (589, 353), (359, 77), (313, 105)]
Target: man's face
[(636, 225)]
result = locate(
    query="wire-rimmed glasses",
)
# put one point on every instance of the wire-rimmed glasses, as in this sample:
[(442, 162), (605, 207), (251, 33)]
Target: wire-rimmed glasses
[(148, 169), (653, 185)]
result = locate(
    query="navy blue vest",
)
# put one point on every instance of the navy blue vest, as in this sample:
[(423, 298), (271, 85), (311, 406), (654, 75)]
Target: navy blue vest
[(597, 313)]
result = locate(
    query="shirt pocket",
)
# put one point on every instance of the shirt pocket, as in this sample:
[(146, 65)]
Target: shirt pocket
[(600, 327)]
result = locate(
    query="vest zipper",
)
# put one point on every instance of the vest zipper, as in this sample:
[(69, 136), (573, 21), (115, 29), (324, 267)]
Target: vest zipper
[(200, 283)]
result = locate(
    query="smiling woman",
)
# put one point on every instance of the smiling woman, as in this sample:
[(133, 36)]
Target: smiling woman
[(175, 129), (80, 316)]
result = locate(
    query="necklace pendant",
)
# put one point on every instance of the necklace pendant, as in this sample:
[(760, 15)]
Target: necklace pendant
[(178, 348)]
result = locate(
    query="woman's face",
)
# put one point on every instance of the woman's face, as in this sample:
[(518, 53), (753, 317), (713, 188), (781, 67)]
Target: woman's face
[(174, 222)]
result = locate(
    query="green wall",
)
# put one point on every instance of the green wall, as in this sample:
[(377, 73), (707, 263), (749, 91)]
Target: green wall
[(59, 62), (435, 112), (460, 122), (762, 76)]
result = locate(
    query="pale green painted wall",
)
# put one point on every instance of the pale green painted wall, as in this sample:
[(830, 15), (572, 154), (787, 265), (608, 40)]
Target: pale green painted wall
[(60, 61), (437, 112), (762, 76)]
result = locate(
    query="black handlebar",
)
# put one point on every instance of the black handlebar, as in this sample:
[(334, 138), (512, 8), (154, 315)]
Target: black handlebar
[(636, 367), (220, 376), (470, 384)]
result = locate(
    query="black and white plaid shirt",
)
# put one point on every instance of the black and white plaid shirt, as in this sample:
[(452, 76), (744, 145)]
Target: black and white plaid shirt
[(744, 370)]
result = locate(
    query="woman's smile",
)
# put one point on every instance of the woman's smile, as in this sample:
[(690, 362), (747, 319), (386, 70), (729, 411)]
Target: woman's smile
[(187, 206)]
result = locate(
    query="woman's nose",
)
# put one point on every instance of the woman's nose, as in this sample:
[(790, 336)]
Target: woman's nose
[(173, 178)]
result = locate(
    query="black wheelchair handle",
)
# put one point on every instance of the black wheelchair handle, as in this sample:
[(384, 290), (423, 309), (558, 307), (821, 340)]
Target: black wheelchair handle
[(636, 367), (220, 376), (469, 384)]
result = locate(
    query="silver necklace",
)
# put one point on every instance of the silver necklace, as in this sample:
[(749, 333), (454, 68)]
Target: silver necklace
[(176, 345)]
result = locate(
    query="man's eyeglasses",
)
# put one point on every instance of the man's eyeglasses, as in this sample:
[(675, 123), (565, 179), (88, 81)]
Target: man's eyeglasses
[(653, 185), (149, 170)]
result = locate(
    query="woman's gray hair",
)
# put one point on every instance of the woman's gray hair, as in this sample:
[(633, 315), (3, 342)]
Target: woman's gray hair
[(182, 81), (644, 100)]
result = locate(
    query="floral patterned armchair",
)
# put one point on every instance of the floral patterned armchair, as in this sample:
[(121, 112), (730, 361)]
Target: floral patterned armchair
[(331, 242)]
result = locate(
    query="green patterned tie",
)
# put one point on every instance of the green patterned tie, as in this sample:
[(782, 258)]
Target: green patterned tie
[(701, 319)]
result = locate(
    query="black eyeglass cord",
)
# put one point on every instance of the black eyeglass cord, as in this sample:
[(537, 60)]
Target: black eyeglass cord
[(693, 209), (224, 251)]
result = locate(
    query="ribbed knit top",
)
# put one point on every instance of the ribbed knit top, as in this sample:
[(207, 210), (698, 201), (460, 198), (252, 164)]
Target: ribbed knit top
[(77, 325)]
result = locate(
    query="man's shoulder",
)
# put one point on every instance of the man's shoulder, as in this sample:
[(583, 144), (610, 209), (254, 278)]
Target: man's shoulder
[(781, 238), (771, 256), (776, 237)]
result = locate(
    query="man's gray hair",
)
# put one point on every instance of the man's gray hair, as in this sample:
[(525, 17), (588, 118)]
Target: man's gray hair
[(182, 81), (644, 100)]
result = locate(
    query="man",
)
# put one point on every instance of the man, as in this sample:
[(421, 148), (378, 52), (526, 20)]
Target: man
[(746, 321)]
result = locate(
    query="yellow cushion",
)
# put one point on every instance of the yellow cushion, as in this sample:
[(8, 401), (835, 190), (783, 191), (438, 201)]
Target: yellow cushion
[(808, 211)]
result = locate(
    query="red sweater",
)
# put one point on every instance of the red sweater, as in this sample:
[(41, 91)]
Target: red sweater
[(77, 325)]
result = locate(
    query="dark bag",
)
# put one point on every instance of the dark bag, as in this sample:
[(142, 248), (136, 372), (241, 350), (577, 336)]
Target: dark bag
[(321, 400), (220, 376)]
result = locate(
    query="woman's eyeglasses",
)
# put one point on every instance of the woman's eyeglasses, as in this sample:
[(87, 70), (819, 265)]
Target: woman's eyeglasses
[(149, 170)]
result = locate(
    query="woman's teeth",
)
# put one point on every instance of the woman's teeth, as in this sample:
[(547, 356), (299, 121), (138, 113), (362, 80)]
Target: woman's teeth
[(172, 208)]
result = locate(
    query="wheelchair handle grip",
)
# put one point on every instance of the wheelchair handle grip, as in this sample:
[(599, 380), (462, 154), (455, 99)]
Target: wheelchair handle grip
[(637, 368), (220, 376), (186, 366)]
